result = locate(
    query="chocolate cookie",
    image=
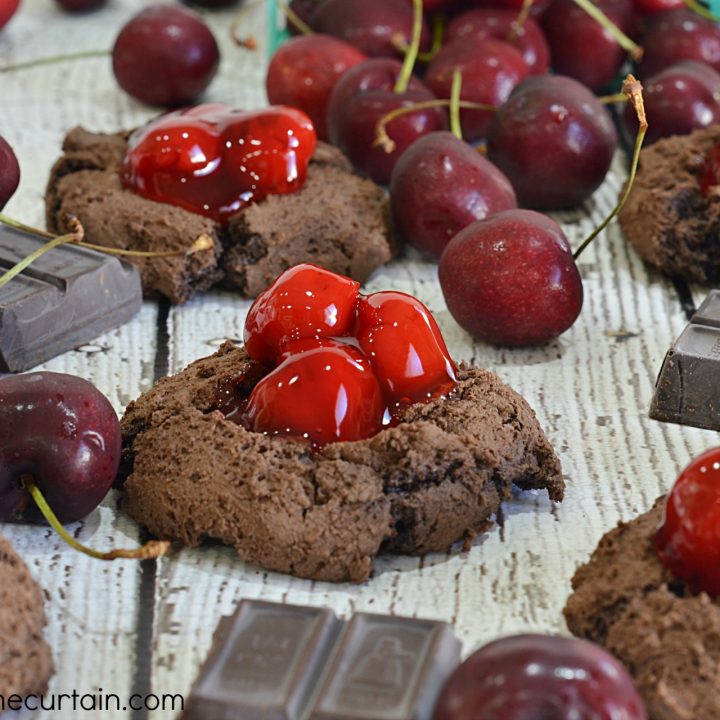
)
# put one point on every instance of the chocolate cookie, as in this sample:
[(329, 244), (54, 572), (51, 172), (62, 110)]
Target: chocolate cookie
[(25, 660), (338, 220), (436, 478), (669, 638), (668, 220)]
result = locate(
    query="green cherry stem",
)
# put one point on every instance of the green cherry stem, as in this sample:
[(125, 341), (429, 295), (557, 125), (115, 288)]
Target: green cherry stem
[(403, 80), (201, 243), (38, 62), (455, 126), (636, 52), (294, 18), (519, 21), (383, 140), (150, 551), (439, 22), (633, 90), (702, 10)]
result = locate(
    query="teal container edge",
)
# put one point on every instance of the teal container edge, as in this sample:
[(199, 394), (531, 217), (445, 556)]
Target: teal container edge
[(276, 32)]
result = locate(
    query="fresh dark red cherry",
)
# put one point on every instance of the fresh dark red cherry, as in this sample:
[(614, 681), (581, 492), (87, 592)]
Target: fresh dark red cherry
[(490, 70), (580, 47), (510, 280), (7, 10), (326, 394), (361, 98), (80, 6), (499, 23), (688, 541), (375, 27), (9, 172), (215, 160), (439, 186), (405, 347), (165, 56), (650, 7), (306, 301), (304, 10), (303, 72), (679, 99), (538, 7), (540, 677), (679, 35), (61, 431), (554, 140)]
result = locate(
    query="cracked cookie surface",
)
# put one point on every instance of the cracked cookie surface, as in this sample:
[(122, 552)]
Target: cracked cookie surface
[(437, 477), (669, 638)]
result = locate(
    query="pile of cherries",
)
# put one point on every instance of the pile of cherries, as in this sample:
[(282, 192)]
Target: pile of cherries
[(342, 365)]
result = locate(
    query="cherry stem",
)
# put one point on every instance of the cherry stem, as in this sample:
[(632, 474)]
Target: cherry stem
[(611, 99), (295, 19), (54, 59), (75, 237), (383, 140), (633, 91), (702, 10), (403, 80), (438, 34), (636, 52), (455, 125), (150, 551), (519, 21)]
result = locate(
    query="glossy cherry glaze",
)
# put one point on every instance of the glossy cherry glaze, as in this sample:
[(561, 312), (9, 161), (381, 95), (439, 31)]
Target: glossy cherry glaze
[(378, 28), (303, 71), (709, 175), (499, 23), (306, 301), (439, 186), (678, 100), (539, 677), (327, 393), (490, 70), (510, 280), (9, 172), (215, 160), (554, 140), (61, 431), (405, 347), (688, 541), (345, 365), (361, 98), (679, 35), (165, 56), (580, 47)]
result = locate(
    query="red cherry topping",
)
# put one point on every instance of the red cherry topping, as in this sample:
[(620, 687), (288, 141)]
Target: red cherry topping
[(688, 541), (306, 301), (709, 175), (405, 347), (325, 394), (215, 160)]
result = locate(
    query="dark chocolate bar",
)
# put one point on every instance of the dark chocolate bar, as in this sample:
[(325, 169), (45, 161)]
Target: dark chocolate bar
[(65, 298), (687, 390), (271, 661)]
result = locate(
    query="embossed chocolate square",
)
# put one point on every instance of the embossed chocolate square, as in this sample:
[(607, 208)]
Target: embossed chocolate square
[(687, 390), (271, 661)]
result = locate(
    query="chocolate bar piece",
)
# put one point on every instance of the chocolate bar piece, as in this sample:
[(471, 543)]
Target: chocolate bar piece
[(66, 297), (271, 661), (687, 390)]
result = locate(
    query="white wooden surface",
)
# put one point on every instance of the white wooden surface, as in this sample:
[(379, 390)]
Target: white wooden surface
[(129, 629)]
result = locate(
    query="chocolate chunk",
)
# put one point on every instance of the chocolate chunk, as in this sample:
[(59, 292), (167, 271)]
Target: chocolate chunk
[(687, 390), (285, 662), (387, 667), (66, 297)]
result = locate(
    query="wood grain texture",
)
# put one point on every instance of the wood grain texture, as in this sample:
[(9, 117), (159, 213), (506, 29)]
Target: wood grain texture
[(591, 390)]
